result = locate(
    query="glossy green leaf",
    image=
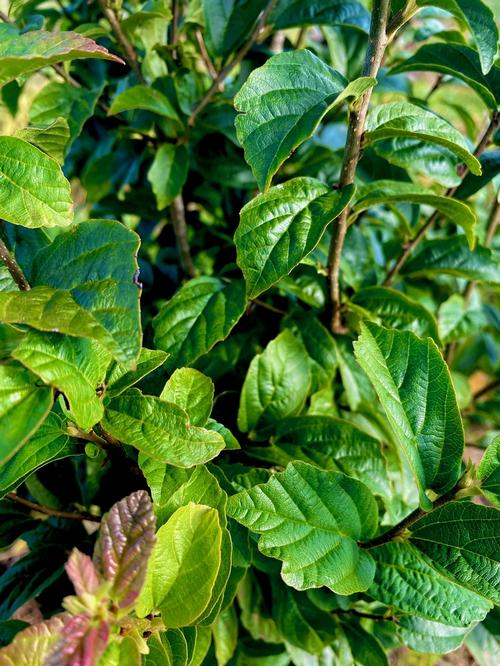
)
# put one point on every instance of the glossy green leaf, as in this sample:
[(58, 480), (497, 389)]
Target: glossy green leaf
[(452, 256), (404, 578), (193, 392), (488, 472), (457, 320), (276, 385), (200, 314), (74, 366), (426, 636), (120, 377), (288, 14), (365, 648), (33, 190), (225, 633), (407, 372), (159, 429), (168, 173), (405, 120), (52, 139), (395, 309), (100, 265), (490, 164), (145, 98), (459, 61), (280, 227), (310, 519), (24, 405), (462, 538), (21, 54), (383, 192), (281, 105), (227, 23)]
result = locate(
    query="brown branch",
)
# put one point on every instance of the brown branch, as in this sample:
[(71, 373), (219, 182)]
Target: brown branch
[(369, 616), (126, 46), (4, 17), (48, 511), (204, 54), (374, 55), (231, 65), (13, 267), (411, 245), (268, 306), (178, 215), (175, 34)]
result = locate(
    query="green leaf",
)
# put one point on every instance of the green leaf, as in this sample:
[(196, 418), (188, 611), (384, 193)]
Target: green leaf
[(365, 648), (225, 633), (490, 164), (184, 566), (462, 538), (193, 392), (21, 54), (227, 23), (310, 519), (483, 645), (49, 443), (145, 98), (426, 636), (159, 429), (281, 105), (32, 646), (52, 139), (168, 172), (100, 265), (488, 472), (404, 578), (405, 120), (125, 543), (74, 366), (480, 20), (33, 190), (24, 405), (200, 314), (452, 256), (459, 61), (457, 320), (407, 373), (397, 310), (291, 13), (332, 444), (276, 385), (282, 226), (391, 191), (120, 377)]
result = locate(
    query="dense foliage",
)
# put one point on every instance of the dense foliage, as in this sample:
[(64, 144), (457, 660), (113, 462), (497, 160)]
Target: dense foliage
[(249, 332)]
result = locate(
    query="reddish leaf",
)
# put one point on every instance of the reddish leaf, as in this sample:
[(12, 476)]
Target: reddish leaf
[(82, 641), (125, 542), (37, 640), (81, 572)]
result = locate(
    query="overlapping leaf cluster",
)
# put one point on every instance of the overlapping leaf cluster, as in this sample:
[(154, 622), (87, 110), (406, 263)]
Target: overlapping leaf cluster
[(249, 332)]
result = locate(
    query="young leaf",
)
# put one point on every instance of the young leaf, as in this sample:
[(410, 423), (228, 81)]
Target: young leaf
[(280, 228), (289, 14), (462, 538), (228, 23), (160, 429), (81, 641), (21, 54), (145, 98), (33, 645), (282, 103), (24, 405), (405, 120), (200, 314), (100, 260), (168, 173), (488, 472), (404, 578), (33, 189), (82, 573), (52, 139), (126, 540), (193, 392), (276, 385), (452, 256), (75, 366), (407, 372), (310, 520), (389, 191)]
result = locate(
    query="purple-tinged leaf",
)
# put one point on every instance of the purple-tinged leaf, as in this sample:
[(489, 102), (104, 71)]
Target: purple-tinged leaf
[(81, 572), (21, 54), (38, 640), (124, 545), (82, 640)]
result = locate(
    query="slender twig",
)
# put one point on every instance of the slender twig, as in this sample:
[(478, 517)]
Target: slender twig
[(375, 52), (13, 267), (4, 17), (48, 511), (493, 222), (90, 436), (411, 245), (175, 34), (178, 215), (486, 389), (436, 85), (127, 48), (369, 616), (278, 41), (225, 71), (268, 306), (300, 36), (204, 54), (67, 77)]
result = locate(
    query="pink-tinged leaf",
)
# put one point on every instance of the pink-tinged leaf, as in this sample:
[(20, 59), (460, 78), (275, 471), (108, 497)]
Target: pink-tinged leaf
[(38, 640), (21, 54), (82, 641), (125, 542), (81, 572)]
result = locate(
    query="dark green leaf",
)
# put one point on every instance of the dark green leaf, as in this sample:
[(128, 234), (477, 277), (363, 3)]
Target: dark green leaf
[(228, 23)]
